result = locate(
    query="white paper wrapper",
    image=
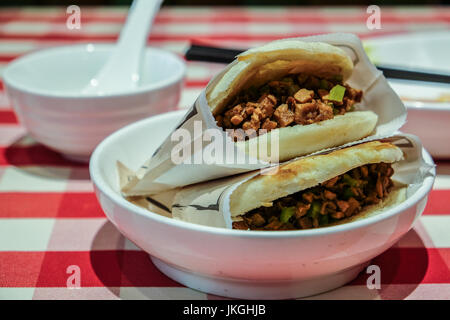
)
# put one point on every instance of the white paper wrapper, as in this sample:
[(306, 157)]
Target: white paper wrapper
[(208, 203), (160, 173), (160, 204)]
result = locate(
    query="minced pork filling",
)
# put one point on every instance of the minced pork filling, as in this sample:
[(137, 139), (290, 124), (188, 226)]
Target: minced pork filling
[(338, 198), (296, 99)]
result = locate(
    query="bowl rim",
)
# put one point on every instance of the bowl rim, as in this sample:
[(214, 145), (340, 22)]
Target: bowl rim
[(427, 106), (104, 188), (381, 40), (42, 53)]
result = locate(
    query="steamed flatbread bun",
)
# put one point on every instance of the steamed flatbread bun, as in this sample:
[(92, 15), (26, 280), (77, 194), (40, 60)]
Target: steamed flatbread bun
[(276, 60), (308, 172), (300, 140)]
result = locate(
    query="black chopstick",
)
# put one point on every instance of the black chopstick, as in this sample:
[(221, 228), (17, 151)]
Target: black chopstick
[(211, 54), (410, 74), (223, 55)]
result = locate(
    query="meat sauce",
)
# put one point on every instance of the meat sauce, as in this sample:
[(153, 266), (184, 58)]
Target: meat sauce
[(333, 200), (290, 101)]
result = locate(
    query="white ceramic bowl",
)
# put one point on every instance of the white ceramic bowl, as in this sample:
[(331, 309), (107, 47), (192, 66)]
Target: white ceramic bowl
[(431, 122), (237, 263), (44, 88)]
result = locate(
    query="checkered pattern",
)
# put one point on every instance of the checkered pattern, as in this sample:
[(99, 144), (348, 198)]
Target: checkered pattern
[(50, 219)]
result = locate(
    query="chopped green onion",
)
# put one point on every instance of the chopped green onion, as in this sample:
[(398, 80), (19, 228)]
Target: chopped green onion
[(337, 93), (335, 110), (348, 193), (314, 211), (323, 84), (349, 180), (323, 220), (286, 214)]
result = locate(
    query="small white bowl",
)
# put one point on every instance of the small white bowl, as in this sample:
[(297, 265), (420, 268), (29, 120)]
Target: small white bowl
[(237, 263), (428, 117), (45, 90), (431, 123)]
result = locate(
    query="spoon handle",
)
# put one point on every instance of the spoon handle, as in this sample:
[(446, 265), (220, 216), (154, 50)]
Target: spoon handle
[(134, 34), (121, 70)]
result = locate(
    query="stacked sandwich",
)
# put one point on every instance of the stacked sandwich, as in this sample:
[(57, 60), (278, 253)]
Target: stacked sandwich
[(336, 158)]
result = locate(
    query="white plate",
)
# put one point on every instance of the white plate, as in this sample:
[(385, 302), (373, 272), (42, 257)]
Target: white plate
[(428, 103), (238, 263)]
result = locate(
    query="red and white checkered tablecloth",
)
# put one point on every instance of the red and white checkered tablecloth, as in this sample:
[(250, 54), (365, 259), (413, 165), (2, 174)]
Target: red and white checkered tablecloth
[(50, 218)]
